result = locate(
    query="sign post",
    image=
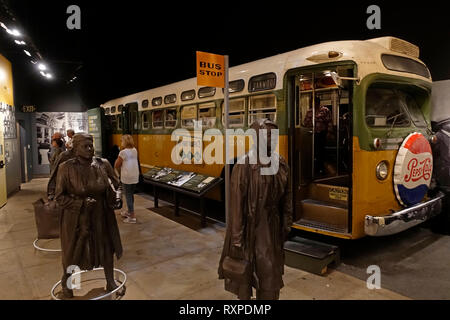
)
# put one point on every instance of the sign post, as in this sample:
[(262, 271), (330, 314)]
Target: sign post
[(212, 71)]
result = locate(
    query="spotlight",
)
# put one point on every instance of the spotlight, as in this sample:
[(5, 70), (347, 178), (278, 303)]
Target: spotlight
[(27, 53), (46, 75), (20, 43), (14, 32), (42, 66)]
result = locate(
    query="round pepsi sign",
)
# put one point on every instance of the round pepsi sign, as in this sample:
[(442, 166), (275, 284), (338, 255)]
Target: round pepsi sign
[(413, 169)]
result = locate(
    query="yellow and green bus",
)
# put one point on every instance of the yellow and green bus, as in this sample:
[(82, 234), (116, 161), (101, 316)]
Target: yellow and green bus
[(344, 110)]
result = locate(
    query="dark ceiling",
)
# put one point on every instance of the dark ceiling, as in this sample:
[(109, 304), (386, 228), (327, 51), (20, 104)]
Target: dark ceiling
[(126, 47)]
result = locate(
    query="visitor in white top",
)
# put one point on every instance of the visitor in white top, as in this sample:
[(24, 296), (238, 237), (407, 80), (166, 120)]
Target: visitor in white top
[(70, 134), (128, 167)]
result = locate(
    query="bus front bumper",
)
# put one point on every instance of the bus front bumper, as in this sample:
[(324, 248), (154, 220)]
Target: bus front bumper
[(403, 219)]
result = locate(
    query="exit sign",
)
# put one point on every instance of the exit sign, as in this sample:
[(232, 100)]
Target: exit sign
[(28, 108)]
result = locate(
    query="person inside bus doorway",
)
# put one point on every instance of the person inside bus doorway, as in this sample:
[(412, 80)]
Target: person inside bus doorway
[(127, 165), (323, 129)]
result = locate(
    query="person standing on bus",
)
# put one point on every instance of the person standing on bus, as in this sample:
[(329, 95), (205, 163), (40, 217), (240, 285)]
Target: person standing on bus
[(127, 165), (323, 127)]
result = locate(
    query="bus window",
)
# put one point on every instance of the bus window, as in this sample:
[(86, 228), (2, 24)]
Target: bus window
[(188, 95), (188, 115), (403, 64), (236, 113), (171, 98), (170, 118), (385, 108), (207, 114), (145, 122), (262, 82), (206, 92), (134, 120), (119, 122), (415, 111), (156, 101), (107, 110), (114, 121), (119, 108), (305, 105), (145, 103), (235, 86), (157, 118), (113, 109), (261, 107)]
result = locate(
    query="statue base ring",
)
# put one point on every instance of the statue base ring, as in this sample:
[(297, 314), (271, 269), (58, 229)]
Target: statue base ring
[(37, 247), (89, 286)]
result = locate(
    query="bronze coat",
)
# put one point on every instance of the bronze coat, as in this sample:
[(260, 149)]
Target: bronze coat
[(259, 222), (74, 183)]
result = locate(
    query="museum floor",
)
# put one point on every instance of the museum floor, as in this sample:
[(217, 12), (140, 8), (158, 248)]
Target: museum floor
[(163, 258)]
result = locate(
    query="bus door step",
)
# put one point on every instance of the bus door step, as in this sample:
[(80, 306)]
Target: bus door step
[(311, 256)]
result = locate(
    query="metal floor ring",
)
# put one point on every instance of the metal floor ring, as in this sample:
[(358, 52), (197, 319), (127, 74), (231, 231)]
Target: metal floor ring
[(35, 245), (114, 292)]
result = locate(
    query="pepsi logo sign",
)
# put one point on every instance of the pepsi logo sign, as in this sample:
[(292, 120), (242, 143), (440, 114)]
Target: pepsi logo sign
[(413, 169)]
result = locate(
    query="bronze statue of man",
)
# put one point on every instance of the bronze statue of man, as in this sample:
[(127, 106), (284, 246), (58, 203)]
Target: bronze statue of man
[(89, 232), (259, 221)]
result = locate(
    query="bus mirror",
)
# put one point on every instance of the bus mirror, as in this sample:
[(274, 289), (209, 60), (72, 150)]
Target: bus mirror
[(338, 79)]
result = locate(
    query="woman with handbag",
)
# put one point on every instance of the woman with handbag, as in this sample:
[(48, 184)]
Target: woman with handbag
[(259, 221), (127, 164), (88, 227)]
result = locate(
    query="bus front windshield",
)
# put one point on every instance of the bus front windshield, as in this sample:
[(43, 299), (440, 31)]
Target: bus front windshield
[(393, 107)]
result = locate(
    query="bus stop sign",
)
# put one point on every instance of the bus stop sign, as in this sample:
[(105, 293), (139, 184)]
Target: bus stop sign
[(210, 70)]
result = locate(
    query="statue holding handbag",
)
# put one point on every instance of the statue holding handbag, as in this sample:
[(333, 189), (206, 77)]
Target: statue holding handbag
[(259, 221), (89, 232)]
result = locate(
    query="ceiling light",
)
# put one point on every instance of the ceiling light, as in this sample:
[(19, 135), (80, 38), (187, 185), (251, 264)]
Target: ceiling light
[(47, 75), (20, 43), (27, 53), (42, 66), (14, 32)]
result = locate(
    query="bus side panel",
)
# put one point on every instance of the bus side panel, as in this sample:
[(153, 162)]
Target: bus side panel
[(156, 150), (370, 195), (116, 139)]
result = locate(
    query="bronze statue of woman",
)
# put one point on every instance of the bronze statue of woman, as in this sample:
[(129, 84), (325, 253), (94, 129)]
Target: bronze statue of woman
[(89, 232)]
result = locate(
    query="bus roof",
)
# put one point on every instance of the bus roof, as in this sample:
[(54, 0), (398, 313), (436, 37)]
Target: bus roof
[(367, 54)]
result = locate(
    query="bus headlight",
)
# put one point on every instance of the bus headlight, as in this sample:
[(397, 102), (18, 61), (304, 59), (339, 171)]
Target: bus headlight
[(382, 170)]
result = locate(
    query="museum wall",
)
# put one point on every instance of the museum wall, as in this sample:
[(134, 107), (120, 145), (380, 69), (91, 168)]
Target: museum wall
[(11, 147), (56, 106), (43, 126)]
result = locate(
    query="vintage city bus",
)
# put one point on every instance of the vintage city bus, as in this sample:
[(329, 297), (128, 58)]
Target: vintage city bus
[(354, 126)]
